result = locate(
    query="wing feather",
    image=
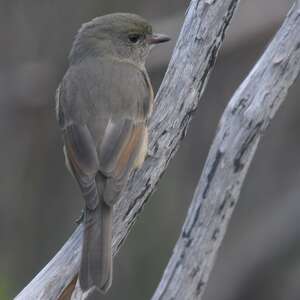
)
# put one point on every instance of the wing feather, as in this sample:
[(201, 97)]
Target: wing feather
[(104, 121)]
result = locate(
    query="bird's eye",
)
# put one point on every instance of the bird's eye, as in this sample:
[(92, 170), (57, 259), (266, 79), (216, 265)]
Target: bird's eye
[(134, 38)]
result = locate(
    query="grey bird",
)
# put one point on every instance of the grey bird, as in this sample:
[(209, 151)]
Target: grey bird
[(103, 105)]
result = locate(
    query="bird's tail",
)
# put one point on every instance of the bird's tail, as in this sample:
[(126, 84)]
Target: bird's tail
[(96, 261)]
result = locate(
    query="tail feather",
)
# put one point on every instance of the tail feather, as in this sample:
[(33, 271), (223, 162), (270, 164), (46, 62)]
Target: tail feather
[(96, 261)]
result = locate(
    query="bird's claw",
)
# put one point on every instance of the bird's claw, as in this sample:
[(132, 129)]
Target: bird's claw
[(81, 217)]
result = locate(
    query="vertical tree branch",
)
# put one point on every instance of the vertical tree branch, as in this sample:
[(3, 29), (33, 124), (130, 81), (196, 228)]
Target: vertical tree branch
[(245, 119)]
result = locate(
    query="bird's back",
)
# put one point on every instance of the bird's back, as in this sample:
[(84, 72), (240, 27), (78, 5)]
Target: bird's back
[(97, 90)]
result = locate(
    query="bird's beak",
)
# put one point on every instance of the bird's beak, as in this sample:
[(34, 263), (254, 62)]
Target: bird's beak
[(157, 38)]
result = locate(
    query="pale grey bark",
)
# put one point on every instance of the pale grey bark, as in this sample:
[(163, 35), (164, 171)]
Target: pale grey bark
[(193, 59), (244, 121), (254, 21)]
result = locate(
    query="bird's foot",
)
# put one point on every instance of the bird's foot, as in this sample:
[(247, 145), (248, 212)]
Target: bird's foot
[(81, 217)]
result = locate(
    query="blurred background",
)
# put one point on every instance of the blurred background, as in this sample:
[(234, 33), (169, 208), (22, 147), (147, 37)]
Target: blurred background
[(39, 201)]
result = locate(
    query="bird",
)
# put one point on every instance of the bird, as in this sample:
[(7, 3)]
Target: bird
[(103, 106)]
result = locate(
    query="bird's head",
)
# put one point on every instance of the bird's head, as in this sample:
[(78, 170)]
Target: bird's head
[(121, 35)]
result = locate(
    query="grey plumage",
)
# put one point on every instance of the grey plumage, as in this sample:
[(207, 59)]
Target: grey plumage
[(103, 105)]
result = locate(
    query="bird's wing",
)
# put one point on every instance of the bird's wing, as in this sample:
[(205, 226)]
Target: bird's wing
[(103, 135), (118, 153)]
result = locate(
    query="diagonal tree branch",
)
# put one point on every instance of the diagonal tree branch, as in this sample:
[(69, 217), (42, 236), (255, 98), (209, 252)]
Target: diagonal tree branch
[(193, 59), (245, 119)]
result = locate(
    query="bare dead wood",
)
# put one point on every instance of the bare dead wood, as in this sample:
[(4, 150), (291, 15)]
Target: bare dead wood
[(245, 119), (192, 61)]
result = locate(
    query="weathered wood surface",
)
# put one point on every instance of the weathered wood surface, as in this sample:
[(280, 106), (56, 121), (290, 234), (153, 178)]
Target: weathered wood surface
[(245, 119), (192, 60)]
